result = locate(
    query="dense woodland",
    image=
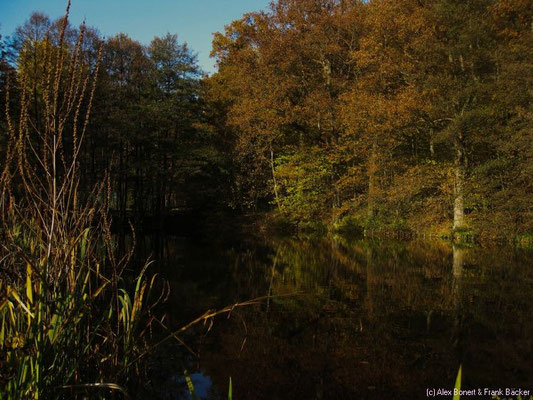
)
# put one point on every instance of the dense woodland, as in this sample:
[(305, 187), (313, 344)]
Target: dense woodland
[(399, 115), (385, 115)]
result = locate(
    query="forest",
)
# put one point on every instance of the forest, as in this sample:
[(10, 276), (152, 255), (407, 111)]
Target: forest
[(386, 118), (389, 116), (393, 115)]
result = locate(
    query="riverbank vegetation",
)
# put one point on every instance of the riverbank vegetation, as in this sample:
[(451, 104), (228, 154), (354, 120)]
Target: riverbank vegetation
[(71, 321)]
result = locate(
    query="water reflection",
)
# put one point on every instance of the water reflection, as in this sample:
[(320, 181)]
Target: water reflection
[(363, 319)]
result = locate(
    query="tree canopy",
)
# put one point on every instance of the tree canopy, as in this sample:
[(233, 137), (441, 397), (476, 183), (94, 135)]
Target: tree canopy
[(406, 115)]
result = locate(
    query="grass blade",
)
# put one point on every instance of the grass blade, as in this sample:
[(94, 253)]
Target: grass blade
[(456, 395)]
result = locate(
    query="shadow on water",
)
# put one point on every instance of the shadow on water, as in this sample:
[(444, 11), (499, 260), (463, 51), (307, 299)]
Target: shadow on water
[(365, 319)]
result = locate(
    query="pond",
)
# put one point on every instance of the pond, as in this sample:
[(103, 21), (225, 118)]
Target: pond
[(345, 319)]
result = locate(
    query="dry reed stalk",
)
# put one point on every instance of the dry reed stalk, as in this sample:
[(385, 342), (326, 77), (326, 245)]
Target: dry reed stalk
[(39, 182)]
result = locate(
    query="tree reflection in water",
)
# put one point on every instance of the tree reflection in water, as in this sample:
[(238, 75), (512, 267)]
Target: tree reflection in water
[(365, 319)]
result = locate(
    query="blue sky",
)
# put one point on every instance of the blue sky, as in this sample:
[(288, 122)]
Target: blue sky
[(194, 21)]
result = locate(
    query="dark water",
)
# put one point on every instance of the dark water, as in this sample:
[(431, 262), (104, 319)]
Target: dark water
[(360, 319)]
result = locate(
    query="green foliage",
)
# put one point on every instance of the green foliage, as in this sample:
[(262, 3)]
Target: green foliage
[(53, 340), (349, 225), (303, 180)]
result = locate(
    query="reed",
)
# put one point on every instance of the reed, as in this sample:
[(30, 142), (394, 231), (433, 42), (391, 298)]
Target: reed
[(69, 322)]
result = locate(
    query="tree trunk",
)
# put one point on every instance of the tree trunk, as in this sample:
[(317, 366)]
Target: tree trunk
[(274, 181), (460, 172), (458, 261), (369, 299), (431, 145), (372, 169), (457, 295)]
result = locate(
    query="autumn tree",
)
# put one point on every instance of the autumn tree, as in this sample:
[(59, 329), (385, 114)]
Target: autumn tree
[(286, 68), (392, 113)]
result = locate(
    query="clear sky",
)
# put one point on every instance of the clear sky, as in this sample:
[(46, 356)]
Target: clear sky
[(193, 20)]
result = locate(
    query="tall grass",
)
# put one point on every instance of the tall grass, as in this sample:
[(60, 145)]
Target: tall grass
[(68, 322)]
